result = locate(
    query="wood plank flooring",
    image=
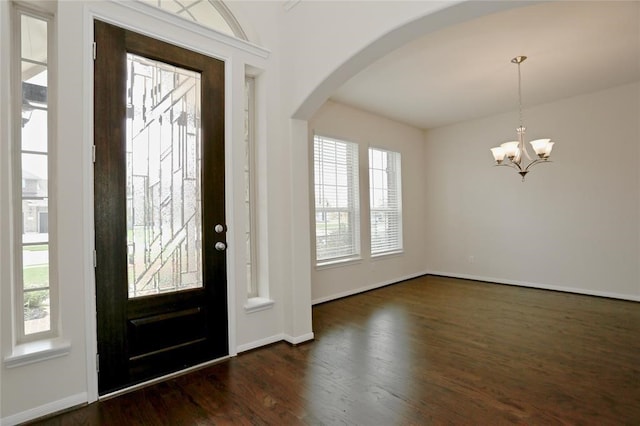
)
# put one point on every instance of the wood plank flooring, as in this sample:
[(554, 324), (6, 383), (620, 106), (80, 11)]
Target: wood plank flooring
[(431, 350)]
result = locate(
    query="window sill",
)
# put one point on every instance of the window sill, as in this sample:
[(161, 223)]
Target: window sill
[(257, 304), (387, 254), (338, 263), (41, 350)]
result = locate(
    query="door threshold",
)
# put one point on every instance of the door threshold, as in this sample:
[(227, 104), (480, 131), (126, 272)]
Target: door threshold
[(162, 378)]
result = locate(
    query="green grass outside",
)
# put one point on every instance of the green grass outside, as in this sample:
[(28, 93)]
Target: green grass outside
[(36, 276), (41, 247)]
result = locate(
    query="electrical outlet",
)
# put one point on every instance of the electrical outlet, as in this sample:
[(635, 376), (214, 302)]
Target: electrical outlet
[(472, 259)]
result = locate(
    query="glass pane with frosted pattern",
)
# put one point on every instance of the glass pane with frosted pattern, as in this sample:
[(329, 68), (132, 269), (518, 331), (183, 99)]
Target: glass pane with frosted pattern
[(163, 150)]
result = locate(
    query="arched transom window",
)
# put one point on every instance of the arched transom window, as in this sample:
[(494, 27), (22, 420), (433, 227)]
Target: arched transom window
[(210, 13)]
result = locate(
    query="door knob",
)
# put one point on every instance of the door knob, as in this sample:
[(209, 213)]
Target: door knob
[(219, 229), (220, 246)]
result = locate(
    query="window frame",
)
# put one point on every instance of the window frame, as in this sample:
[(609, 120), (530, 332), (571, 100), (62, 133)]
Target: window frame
[(257, 288), (353, 210), (18, 11), (253, 290), (234, 28), (395, 158)]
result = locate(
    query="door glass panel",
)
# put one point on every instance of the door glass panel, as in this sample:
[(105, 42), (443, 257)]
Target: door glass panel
[(163, 150)]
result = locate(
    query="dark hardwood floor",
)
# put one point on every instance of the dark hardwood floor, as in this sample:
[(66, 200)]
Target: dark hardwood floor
[(426, 351)]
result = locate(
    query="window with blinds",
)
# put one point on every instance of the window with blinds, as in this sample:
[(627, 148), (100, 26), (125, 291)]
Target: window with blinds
[(385, 198), (336, 192)]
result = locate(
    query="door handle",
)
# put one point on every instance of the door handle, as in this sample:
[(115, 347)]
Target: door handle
[(220, 246)]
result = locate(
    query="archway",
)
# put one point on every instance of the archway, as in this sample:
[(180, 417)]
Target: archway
[(386, 43)]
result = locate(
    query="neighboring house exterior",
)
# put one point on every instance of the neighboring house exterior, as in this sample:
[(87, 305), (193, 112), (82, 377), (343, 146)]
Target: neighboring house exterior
[(35, 211)]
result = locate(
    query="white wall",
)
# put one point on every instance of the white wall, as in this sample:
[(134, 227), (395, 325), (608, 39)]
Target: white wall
[(340, 121), (574, 224)]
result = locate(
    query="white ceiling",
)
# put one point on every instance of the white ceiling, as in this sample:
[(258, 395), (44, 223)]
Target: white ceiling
[(464, 71)]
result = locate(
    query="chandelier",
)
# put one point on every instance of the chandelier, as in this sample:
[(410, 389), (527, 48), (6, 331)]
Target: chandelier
[(514, 150)]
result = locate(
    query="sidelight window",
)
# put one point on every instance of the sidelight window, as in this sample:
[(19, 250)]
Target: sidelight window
[(35, 277), (256, 260), (249, 186)]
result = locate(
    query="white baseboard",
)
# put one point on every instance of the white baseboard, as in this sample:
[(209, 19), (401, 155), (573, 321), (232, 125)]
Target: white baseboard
[(296, 340), (260, 342), (587, 292), (44, 410), (365, 288)]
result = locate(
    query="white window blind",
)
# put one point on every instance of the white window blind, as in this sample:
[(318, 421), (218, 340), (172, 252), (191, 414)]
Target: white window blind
[(337, 214), (385, 197)]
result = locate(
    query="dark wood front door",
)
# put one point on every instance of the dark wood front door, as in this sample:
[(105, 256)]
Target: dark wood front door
[(159, 208)]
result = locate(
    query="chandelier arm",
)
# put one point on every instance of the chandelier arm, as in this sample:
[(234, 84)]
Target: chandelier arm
[(517, 165), (535, 162), (523, 147), (514, 166)]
